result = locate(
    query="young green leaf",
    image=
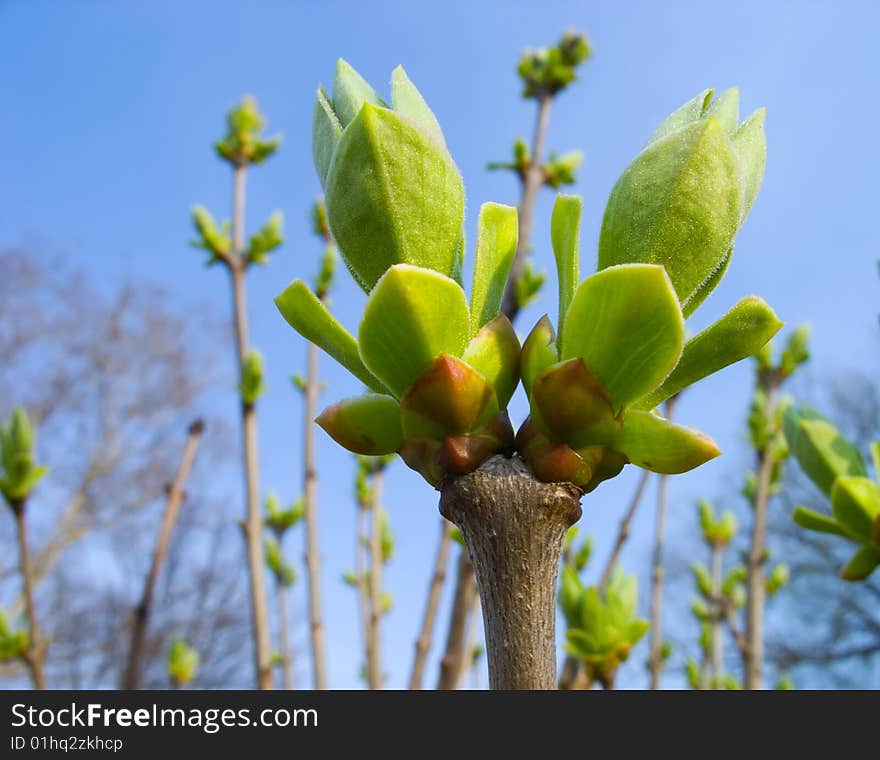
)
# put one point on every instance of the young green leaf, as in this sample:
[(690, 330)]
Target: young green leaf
[(855, 503), (725, 108), (661, 446), (861, 564), (682, 116), (306, 314), (368, 424), (811, 520), (326, 131), (494, 352), (497, 232), (412, 316), (823, 453), (19, 472), (538, 352), (677, 204), (750, 147), (626, 324), (406, 99), (350, 92), (565, 227), (709, 284), (738, 334), (393, 196)]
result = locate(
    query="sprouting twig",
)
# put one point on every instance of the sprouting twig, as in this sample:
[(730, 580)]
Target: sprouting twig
[(131, 675)]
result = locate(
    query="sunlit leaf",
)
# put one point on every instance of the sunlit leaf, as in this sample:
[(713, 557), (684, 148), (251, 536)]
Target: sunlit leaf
[(350, 92), (306, 314), (368, 424), (738, 334), (626, 324), (855, 502), (822, 452), (725, 108), (497, 232), (538, 352), (412, 316), (494, 352), (750, 147), (677, 204), (406, 99), (682, 116), (565, 227), (861, 564), (811, 520), (393, 196), (661, 446), (326, 131)]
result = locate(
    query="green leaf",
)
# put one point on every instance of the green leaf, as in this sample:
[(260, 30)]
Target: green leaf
[(266, 239), (350, 92), (393, 196), (565, 227), (251, 385), (682, 116), (677, 204), (368, 424), (875, 456), (861, 564), (725, 108), (738, 334), (538, 352), (626, 324), (811, 520), (661, 446), (326, 131), (494, 352), (19, 473), (823, 453), (750, 147), (412, 316), (306, 314), (406, 99), (855, 503), (570, 590), (497, 233), (529, 283), (705, 290)]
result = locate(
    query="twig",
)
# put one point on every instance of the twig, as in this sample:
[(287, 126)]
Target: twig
[(313, 559), (733, 626), (253, 525), (623, 530), (435, 588), (131, 675), (573, 676), (463, 601), (716, 641), (374, 663), (36, 650), (657, 572), (284, 625), (755, 582), (532, 181)]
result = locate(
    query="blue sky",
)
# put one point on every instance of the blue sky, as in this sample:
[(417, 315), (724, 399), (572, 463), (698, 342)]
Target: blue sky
[(110, 110)]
